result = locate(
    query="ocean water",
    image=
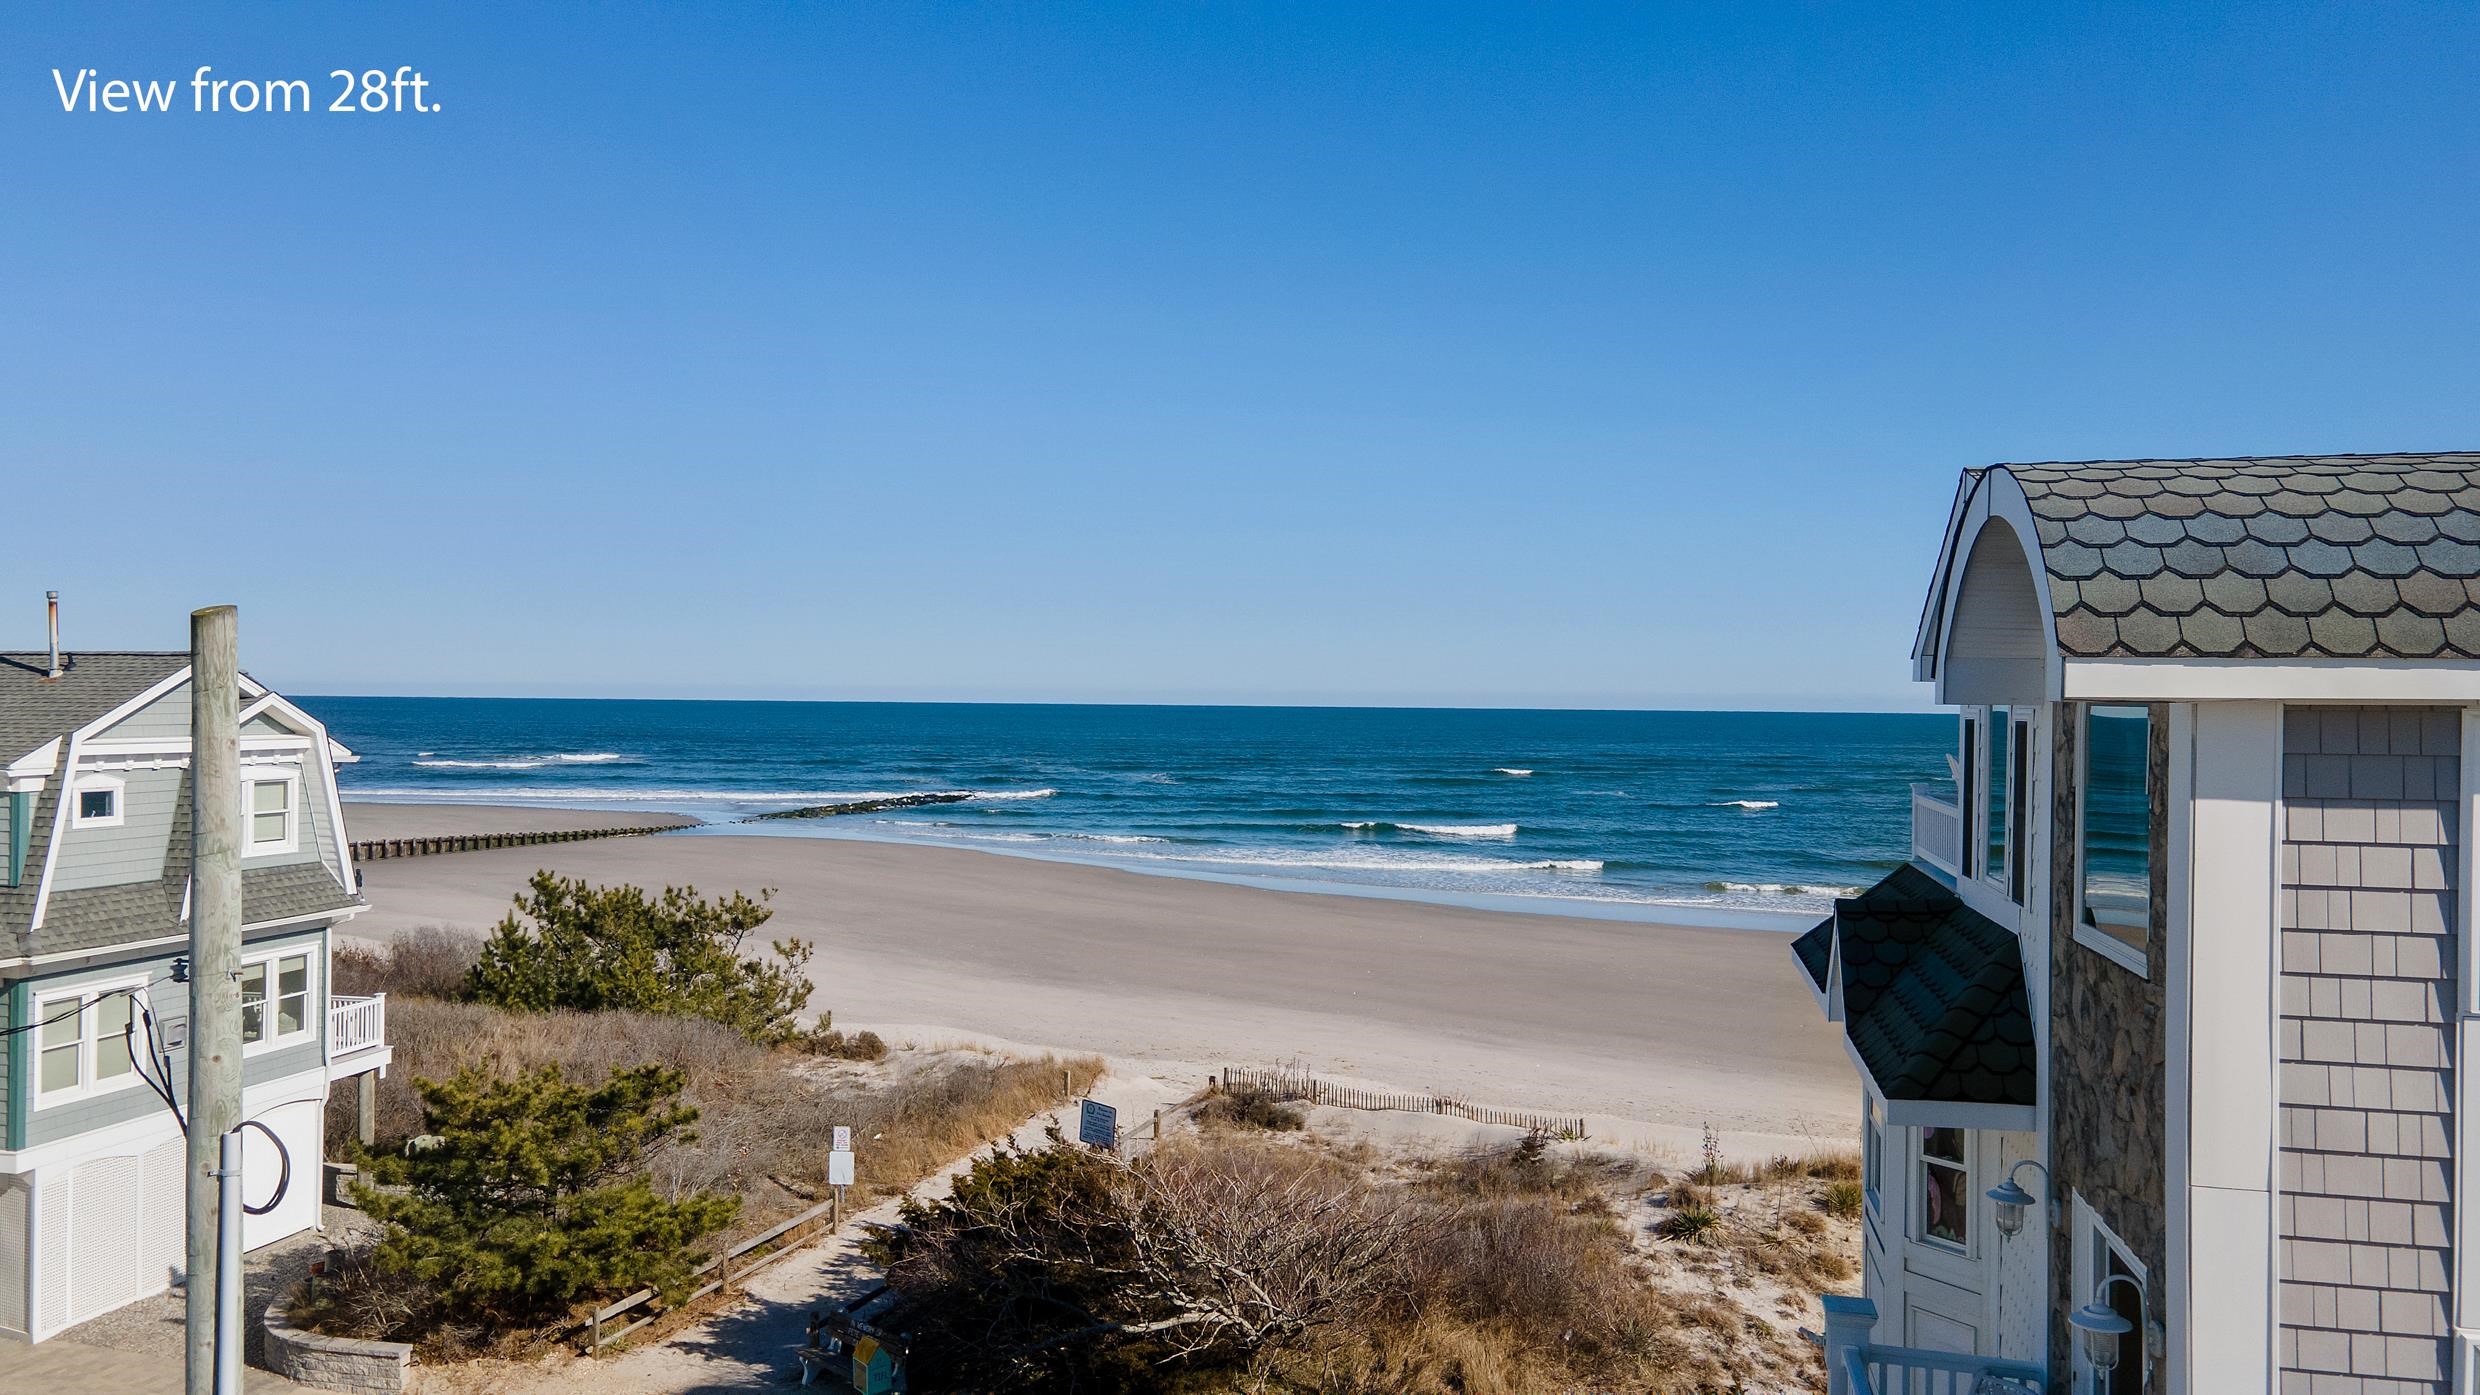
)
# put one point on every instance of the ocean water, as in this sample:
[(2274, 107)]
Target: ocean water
[(1632, 813)]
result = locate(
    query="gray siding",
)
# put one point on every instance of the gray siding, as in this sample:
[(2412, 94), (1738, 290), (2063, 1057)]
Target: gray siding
[(134, 850), (170, 1001), (167, 717), (2368, 969)]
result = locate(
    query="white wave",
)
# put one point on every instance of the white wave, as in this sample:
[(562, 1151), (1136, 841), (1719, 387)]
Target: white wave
[(624, 795), (1781, 889), (1434, 830), (1113, 837), (1003, 794), (1374, 860), (524, 762), (1745, 804), (1516, 771), (1462, 830)]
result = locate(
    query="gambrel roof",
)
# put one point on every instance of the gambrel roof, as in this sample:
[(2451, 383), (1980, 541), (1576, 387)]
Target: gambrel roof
[(35, 709), (2290, 557)]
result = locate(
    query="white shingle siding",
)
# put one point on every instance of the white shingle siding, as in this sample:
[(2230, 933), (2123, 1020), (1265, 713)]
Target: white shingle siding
[(2366, 1163)]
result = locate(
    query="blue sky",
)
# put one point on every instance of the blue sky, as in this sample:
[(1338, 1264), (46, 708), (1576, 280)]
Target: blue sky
[(1469, 355)]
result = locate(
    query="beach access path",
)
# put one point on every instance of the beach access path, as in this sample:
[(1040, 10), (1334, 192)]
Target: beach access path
[(1651, 1031)]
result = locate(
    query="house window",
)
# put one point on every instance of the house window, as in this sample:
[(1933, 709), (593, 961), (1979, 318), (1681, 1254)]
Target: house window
[(1872, 1154), (83, 1043), (1994, 817), (1945, 1187), (1965, 788), (271, 815), (277, 986), (2114, 841), (99, 801), (2019, 785)]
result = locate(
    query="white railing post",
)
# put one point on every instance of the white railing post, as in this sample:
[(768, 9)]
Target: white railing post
[(1849, 1321)]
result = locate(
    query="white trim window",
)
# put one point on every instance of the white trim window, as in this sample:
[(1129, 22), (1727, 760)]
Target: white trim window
[(272, 804), (100, 801), (1946, 1188), (82, 1044), (276, 1001), (1872, 1154), (2113, 833)]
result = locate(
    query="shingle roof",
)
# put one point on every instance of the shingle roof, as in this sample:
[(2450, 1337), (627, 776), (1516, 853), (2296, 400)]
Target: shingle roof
[(97, 918), (2299, 557), (34, 709), (1933, 993)]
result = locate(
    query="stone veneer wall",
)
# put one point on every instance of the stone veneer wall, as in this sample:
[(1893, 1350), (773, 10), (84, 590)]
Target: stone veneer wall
[(2108, 1085), (2368, 972), (346, 1364)]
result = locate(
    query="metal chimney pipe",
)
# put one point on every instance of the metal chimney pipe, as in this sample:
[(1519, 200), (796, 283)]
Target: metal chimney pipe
[(51, 599)]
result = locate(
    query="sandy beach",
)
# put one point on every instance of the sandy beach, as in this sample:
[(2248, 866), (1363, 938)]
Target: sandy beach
[(1652, 1031)]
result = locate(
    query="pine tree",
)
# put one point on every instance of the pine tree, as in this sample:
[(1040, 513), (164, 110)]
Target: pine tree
[(522, 1196), (569, 945)]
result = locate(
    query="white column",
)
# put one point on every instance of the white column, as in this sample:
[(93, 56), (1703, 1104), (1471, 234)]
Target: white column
[(2226, 1289)]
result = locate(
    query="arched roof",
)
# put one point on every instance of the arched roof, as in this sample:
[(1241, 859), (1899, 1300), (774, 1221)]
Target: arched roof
[(2328, 557)]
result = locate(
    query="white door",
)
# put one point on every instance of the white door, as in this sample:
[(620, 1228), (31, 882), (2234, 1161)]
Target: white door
[(295, 1170)]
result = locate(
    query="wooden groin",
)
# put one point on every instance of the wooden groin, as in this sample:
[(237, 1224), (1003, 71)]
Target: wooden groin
[(374, 849), (1295, 1085)]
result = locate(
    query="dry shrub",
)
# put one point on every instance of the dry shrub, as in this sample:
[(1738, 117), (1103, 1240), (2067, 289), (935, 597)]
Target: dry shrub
[(428, 963), (1248, 1109), (1835, 1167), (1806, 1222)]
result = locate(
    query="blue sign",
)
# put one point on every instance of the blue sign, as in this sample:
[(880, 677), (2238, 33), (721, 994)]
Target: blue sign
[(1098, 1124)]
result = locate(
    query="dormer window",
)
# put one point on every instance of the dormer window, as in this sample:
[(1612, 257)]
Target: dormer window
[(99, 801), (271, 805)]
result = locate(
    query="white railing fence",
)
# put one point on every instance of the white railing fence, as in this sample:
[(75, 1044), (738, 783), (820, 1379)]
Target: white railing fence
[(355, 1023), (1856, 1366), (1937, 830)]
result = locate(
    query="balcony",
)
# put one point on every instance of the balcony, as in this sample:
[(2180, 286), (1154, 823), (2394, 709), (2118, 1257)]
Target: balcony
[(1937, 832), (357, 1035), (1857, 1366)]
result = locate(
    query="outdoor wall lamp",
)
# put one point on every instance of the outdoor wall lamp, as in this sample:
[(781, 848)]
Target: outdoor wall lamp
[(2103, 1325), (2013, 1201)]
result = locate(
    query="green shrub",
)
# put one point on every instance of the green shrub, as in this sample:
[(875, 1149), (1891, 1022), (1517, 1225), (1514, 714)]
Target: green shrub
[(1695, 1224), (521, 1196), (570, 945), (1842, 1199)]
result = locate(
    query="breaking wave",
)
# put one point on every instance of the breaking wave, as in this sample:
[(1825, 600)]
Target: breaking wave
[(522, 762), (1745, 804)]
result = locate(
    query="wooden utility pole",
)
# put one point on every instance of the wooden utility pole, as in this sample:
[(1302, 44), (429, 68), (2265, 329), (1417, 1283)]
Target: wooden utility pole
[(214, 960)]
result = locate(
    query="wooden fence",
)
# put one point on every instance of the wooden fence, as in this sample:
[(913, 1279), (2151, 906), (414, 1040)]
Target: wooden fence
[(377, 848), (1293, 1085), (725, 1269)]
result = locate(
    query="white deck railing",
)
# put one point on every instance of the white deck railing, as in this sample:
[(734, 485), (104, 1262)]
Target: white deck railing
[(1937, 830), (356, 1024), (1857, 1366)]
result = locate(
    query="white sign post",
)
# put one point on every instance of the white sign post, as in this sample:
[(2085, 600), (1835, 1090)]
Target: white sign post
[(840, 1168)]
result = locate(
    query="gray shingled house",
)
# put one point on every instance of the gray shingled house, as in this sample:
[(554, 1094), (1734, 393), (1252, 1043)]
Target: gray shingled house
[(2160, 1026), (93, 912)]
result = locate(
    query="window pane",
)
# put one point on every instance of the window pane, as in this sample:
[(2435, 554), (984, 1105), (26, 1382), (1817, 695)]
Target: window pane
[(1942, 1143), (60, 1067), (2117, 831), (1993, 822), (292, 995), (1946, 1207), (267, 796), (268, 828), (1966, 794), (2019, 782), (112, 1037), (60, 1021), (94, 804), (253, 1002)]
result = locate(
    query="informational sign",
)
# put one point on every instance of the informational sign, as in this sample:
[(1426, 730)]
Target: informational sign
[(839, 1168), (1098, 1124), (843, 1138)]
